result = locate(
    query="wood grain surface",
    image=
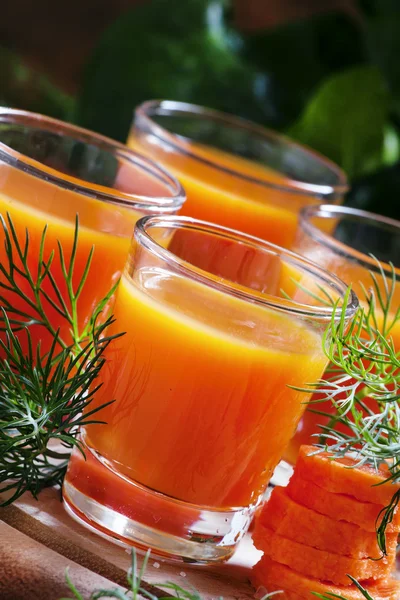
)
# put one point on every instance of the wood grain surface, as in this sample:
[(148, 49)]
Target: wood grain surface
[(39, 540), (30, 570)]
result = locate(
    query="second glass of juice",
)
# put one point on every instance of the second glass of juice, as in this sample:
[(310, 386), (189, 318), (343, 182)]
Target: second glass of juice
[(236, 173), (51, 174), (201, 381), (347, 242)]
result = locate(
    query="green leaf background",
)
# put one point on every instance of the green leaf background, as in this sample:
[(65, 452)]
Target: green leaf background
[(346, 119)]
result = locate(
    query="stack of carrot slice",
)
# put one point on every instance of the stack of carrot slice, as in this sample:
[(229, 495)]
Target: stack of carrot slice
[(321, 528)]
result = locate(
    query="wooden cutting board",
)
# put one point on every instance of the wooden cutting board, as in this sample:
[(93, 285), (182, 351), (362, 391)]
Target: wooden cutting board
[(39, 541)]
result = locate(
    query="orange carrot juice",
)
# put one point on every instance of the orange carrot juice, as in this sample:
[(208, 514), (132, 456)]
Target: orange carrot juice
[(235, 173), (202, 407), (104, 185), (340, 239), (222, 462)]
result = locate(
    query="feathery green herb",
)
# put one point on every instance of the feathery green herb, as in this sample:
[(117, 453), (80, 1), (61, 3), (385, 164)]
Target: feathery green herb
[(364, 365), (134, 580), (137, 588), (41, 402), (17, 275), (44, 397)]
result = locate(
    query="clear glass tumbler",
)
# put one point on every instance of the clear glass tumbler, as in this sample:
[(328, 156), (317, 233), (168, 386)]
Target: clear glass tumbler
[(236, 173), (347, 242), (202, 410), (53, 173)]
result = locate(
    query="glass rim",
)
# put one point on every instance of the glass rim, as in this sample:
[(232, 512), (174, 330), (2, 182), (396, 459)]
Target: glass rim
[(142, 237), (149, 108), (20, 161), (331, 211)]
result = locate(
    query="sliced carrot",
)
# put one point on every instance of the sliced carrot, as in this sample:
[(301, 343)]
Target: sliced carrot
[(338, 506), (296, 522), (337, 476), (273, 576), (319, 563)]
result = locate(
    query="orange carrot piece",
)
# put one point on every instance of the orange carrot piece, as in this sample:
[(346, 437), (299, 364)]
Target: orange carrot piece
[(336, 476), (319, 563), (338, 506), (273, 576), (296, 522)]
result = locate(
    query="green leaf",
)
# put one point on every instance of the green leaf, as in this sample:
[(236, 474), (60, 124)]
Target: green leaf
[(346, 119), (169, 49), (298, 55)]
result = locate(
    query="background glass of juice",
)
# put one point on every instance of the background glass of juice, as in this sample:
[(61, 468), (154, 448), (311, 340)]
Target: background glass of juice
[(341, 240), (235, 173), (50, 172), (202, 409)]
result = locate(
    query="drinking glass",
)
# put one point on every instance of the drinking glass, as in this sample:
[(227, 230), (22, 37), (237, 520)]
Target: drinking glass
[(203, 409), (347, 242), (52, 173), (236, 173)]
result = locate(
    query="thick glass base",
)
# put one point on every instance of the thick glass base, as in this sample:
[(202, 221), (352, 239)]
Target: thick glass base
[(129, 513)]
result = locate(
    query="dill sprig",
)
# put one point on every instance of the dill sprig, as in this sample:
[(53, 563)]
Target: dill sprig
[(19, 280), (41, 403), (137, 588), (44, 397), (134, 579), (365, 366)]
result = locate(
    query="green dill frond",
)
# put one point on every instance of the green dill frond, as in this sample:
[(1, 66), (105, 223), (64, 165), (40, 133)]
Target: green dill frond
[(45, 398), (365, 367)]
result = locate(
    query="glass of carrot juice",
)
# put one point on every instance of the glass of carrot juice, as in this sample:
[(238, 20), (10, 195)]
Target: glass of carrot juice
[(202, 409), (235, 173), (344, 241), (50, 174)]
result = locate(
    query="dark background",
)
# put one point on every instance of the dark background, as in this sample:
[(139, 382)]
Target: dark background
[(57, 36)]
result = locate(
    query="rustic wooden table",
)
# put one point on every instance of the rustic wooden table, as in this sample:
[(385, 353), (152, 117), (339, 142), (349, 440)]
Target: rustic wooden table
[(38, 541)]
